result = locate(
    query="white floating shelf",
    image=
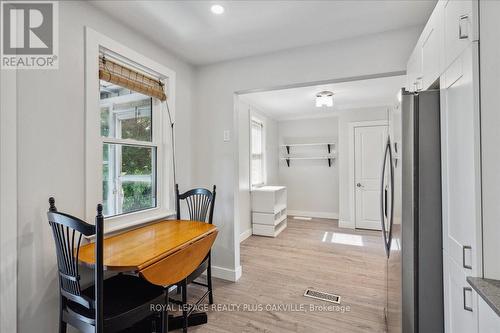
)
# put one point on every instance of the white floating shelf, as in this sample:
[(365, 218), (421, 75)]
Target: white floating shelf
[(328, 146), (309, 158), (329, 158), (308, 144)]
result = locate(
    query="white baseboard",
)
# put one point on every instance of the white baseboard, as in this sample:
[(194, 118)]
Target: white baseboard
[(245, 234), (346, 224), (226, 273), (323, 215)]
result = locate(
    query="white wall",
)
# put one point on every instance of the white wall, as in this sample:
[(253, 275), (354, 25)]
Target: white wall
[(490, 136), (345, 190), (216, 161), (246, 112), (51, 151), (312, 186), (8, 201)]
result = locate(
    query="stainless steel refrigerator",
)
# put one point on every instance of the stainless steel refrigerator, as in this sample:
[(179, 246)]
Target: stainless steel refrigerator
[(414, 246)]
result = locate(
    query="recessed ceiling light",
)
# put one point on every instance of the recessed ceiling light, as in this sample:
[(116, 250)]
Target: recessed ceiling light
[(217, 9), (324, 98)]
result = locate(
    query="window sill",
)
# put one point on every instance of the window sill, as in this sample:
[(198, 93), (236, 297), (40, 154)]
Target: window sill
[(119, 227)]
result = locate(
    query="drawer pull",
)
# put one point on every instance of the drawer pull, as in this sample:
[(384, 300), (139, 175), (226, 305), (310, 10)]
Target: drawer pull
[(465, 290), (465, 247), (463, 27)]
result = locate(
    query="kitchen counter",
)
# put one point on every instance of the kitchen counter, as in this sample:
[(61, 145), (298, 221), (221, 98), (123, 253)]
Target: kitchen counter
[(489, 290)]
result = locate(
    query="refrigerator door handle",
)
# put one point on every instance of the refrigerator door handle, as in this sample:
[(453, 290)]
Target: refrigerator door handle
[(382, 201), (383, 197), (391, 220), (385, 202)]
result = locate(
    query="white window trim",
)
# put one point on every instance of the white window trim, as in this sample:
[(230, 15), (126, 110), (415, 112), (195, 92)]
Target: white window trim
[(94, 42), (255, 119)]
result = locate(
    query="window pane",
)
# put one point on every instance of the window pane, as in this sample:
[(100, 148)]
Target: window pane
[(256, 154), (129, 178), (257, 170), (256, 138), (125, 114)]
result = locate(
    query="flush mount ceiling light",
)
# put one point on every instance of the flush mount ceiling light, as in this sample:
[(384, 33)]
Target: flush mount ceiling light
[(324, 98), (217, 9)]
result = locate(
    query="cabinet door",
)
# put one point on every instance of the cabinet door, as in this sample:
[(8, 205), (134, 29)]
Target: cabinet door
[(414, 70), (460, 300), (489, 321), (460, 149), (432, 45), (410, 74), (460, 19), (430, 58)]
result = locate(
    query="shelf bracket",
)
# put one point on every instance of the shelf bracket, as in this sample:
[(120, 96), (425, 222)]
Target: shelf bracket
[(288, 162), (329, 148), (329, 162), (288, 150)]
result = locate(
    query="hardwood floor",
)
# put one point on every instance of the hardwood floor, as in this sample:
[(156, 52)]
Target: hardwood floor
[(316, 254)]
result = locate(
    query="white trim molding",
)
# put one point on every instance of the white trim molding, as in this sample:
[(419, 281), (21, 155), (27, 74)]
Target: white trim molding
[(95, 43), (227, 274), (352, 187), (8, 201), (321, 215), (245, 234), (345, 224)]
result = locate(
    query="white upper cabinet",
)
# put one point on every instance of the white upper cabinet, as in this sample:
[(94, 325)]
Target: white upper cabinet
[(432, 47), (451, 27), (425, 63), (414, 71), (460, 27)]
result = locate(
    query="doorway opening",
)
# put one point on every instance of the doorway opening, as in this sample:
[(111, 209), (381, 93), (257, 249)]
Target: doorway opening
[(297, 152), (309, 148)]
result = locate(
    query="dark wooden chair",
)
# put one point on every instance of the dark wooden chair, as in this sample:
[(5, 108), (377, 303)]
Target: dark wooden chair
[(200, 204), (108, 305)]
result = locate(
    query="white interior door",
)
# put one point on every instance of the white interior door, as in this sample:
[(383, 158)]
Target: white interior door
[(369, 144)]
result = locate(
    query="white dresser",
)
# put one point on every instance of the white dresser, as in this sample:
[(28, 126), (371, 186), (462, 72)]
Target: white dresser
[(268, 210)]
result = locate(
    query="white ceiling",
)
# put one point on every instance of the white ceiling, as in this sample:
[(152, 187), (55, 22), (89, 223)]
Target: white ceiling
[(296, 103), (189, 29)]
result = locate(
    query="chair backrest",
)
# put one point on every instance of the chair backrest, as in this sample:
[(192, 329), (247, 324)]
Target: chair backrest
[(200, 203), (68, 232)]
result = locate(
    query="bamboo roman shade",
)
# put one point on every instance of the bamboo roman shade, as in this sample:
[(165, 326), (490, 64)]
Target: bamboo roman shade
[(129, 78)]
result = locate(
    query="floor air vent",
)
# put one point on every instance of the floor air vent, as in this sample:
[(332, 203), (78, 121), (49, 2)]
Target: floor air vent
[(322, 296)]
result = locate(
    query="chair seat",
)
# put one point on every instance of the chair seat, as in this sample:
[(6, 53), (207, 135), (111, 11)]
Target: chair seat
[(122, 294)]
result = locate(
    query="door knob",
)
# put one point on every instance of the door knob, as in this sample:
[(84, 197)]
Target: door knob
[(359, 185)]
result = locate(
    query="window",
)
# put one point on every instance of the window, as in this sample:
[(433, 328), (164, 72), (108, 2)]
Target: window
[(128, 154), (130, 148), (257, 153)]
